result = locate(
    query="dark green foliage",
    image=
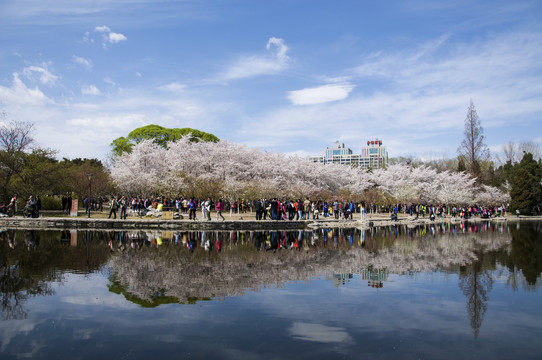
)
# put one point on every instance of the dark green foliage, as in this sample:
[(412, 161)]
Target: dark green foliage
[(25, 174), (35, 263), (521, 193), (39, 173), (526, 192), (156, 299), (79, 162), (26, 171), (51, 203), (526, 253)]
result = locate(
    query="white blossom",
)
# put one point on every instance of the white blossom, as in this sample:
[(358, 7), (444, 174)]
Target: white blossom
[(235, 171)]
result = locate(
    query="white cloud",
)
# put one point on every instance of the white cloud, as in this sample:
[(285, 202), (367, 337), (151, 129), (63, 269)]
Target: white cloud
[(416, 98), (102, 28), (112, 123), (280, 46), (20, 95), (319, 333), (79, 288), (273, 62), (90, 90), (108, 36), (13, 328), (320, 94), (88, 38), (82, 61), (42, 72), (109, 81), (462, 67), (116, 37), (109, 301), (173, 87)]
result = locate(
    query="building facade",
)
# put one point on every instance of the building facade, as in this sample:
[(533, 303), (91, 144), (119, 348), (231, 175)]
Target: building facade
[(373, 156)]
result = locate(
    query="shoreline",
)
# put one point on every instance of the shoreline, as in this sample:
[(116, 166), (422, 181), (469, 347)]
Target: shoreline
[(238, 223)]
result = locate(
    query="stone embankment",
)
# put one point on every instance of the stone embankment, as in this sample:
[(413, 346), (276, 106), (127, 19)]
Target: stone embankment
[(44, 223)]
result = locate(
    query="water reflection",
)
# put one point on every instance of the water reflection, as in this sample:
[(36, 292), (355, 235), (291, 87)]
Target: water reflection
[(31, 260), (151, 268), (476, 283)]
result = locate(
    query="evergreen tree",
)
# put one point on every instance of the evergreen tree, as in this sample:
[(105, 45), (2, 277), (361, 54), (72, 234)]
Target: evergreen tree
[(526, 192), (521, 194)]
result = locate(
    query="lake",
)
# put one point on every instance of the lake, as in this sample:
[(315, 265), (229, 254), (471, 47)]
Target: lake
[(442, 291)]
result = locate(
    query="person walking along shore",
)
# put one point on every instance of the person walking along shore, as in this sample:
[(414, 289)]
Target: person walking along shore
[(219, 207)]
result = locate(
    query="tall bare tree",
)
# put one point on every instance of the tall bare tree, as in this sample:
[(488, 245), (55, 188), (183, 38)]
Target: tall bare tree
[(513, 153), (15, 139), (15, 136), (510, 152), (531, 147), (473, 147)]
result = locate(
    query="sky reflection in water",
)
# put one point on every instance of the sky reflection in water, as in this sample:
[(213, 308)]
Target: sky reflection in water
[(442, 292)]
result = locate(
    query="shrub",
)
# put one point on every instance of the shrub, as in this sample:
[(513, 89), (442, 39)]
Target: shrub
[(51, 203)]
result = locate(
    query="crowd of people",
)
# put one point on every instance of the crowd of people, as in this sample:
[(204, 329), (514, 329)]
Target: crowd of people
[(290, 210), (31, 209), (272, 209), (9, 209), (263, 209)]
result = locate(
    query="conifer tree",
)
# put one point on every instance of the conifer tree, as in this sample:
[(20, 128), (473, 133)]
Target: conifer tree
[(526, 192)]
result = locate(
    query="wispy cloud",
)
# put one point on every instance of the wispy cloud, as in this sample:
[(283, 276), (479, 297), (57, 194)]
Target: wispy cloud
[(102, 28), (461, 66), (108, 80), (41, 73), (274, 61), (49, 11), (410, 96), (497, 73), (90, 90), (30, 8), (111, 121), (82, 61), (172, 87), (416, 95)]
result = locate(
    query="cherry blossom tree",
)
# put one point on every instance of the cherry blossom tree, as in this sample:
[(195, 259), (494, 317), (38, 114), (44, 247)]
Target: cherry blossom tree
[(489, 195), (232, 171)]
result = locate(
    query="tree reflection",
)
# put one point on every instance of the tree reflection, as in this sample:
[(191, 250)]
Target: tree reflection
[(196, 265), (526, 254), (15, 286), (31, 260), (156, 267), (476, 283)]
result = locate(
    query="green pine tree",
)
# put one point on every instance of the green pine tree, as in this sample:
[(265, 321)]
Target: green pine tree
[(521, 193), (526, 192)]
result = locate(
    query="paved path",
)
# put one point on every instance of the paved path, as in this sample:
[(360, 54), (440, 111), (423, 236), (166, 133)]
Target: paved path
[(234, 221)]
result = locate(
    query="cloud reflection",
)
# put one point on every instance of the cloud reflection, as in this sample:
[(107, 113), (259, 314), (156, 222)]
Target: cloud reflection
[(319, 333)]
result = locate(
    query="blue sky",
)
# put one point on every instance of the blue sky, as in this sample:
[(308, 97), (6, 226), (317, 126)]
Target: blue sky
[(288, 76)]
